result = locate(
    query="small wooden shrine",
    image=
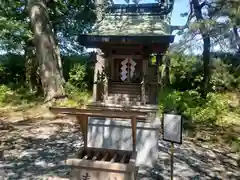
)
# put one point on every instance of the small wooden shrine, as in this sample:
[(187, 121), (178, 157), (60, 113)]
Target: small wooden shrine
[(126, 38), (124, 76)]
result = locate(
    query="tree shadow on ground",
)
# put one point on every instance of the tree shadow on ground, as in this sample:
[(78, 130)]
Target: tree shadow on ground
[(30, 153), (194, 162), (37, 150)]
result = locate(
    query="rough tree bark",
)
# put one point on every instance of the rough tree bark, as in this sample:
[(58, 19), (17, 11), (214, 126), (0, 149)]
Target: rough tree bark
[(197, 7), (44, 40), (57, 51)]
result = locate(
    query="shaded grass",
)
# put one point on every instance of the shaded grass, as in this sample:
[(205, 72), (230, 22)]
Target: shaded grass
[(20, 104), (21, 98), (77, 99), (18, 99)]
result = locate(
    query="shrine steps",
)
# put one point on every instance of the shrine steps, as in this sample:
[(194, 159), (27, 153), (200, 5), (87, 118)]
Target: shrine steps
[(124, 103), (125, 88), (123, 98)]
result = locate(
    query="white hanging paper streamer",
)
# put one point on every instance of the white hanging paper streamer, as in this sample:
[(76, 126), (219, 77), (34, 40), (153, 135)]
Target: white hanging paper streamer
[(132, 62), (132, 67), (124, 72), (124, 62)]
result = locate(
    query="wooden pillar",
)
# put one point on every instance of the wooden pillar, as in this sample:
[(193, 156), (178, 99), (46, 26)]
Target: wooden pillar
[(106, 74), (98, 70), (158, 60), (143, 83), (83, 122), (95, 82), (112, 68), (134, 132)]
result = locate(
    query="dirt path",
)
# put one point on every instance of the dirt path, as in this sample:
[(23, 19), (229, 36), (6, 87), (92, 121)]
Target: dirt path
[(36, 150)]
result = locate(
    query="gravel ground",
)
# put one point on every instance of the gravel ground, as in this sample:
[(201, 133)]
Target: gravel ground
[(31, 150)]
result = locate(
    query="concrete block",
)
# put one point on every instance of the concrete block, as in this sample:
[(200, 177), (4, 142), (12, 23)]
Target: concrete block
[(117, 134)]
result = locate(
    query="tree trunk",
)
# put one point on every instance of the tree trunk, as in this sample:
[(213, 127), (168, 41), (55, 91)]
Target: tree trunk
[(237, 38), (206, 47), (206, 65), (57, 52), (50, 73)]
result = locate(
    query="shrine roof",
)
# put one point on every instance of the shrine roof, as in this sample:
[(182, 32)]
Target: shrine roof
[(138, 22)]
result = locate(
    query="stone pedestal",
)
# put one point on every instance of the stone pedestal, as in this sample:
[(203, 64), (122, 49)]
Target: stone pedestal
[(117, 134)]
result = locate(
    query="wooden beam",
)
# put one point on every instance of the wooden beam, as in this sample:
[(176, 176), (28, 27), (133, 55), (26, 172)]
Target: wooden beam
[(133, 158), (123, 158), (96, 156), (134, 133), (105, 157), (85, 157), (97, 112), (159, 80), (117, 56), (114, 158), (83, 122), (113, 151)]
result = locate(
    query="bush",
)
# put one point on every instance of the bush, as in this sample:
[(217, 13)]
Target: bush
[(77, 75), (192, 106), (75, 95), (70, 63), (222, 79), (186, 72), (4, 91)]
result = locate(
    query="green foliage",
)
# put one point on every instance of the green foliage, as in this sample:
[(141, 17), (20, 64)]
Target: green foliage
[(12, 69), (69, 19), (186, 73), (71, 65), (78, 72), (14, 28), (184, 96), (76, 96), (192, 106), (4, 90), (222, 79), (77, 75), (16, 96)]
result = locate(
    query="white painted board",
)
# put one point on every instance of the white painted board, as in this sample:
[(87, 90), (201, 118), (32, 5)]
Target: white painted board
[(172, 128)]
